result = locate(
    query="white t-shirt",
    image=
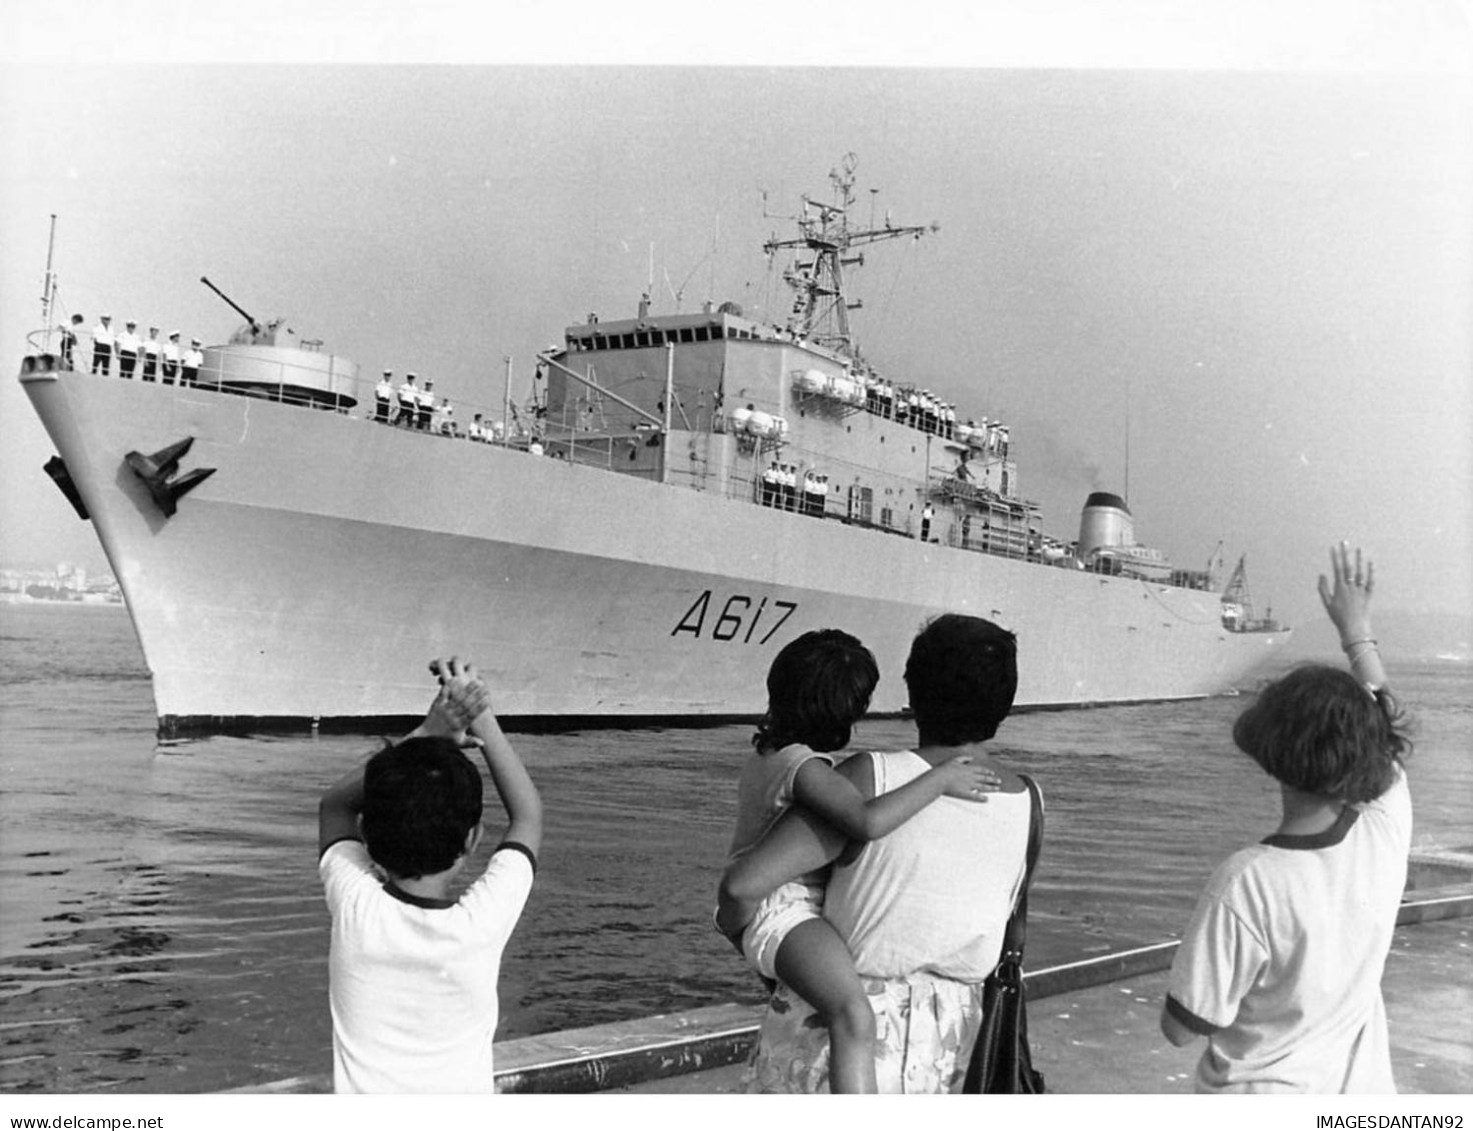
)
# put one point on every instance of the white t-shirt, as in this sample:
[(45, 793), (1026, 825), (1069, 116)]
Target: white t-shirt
[(934, 896), (1280, 967), (413, 982)]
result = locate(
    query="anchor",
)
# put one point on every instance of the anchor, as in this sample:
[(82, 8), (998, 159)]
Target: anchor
[(157, 470), (57, 469)]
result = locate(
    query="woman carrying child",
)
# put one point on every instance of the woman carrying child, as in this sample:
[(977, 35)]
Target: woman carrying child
[(1280, 968), (819, 686)]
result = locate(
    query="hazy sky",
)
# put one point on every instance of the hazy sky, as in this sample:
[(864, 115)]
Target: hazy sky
[(1269, 273)]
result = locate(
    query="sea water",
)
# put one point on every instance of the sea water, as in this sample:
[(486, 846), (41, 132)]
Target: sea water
[(162, 927)]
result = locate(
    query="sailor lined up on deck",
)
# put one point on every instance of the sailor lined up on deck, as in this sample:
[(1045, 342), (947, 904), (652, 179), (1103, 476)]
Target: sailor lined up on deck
[(102, 345), (160, 359), (69, 341), (445, 418), (426, 405), (151, 349), (383, 393), (193, 359), (771, 484), (128, 350), (781, 488), (408, 401), (815, 493), (170, 354)]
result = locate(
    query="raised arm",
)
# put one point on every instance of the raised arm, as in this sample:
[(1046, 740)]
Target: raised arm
[(459, 700), (513, 784), (831, 796), (337, 811), (1348, 602)]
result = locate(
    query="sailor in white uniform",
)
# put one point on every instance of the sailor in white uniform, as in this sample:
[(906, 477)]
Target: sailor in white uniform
[(171, 358), (102, 346), (408, 401), (151, 355), (771, 485), (69, 341), (193, 359), (128, 350), (383, 394)]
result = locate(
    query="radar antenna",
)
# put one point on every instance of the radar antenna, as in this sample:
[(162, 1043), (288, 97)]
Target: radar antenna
[(820, 310)]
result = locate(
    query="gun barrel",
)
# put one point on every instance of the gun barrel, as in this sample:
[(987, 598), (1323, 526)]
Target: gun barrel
[(230, 302)]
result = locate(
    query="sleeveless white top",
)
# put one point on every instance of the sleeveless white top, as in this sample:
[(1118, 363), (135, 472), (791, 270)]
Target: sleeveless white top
[(933, 896)]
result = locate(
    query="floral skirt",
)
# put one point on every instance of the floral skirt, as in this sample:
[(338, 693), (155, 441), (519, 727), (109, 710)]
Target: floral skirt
[(924, 1030)]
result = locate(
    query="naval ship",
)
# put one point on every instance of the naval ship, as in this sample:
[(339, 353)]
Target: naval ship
[(683, 495)]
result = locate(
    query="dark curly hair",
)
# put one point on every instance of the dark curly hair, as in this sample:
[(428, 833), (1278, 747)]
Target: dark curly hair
[(1319, 730), (420, 799), (962, 675), (818, 687)]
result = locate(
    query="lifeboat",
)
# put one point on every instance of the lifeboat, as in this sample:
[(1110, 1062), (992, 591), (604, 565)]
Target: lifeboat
[(766, 426), (846, 389), (811, 381)]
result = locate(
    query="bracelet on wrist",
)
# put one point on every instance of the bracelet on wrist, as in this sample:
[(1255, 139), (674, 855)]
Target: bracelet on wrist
[(1347, 645)]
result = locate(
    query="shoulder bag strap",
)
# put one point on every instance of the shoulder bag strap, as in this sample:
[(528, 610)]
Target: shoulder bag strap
[(1017, 929)]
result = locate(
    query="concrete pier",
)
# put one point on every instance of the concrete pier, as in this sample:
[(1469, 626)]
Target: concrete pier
[(1093, 1026)]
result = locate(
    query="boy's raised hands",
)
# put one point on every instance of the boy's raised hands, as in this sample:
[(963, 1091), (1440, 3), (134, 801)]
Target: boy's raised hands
[(462, 697)]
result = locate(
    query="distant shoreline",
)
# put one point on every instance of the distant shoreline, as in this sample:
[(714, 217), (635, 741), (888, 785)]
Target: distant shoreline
[(81, 602)]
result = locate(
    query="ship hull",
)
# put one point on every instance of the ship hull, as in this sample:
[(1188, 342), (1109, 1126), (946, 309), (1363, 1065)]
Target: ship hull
[(328, 558)]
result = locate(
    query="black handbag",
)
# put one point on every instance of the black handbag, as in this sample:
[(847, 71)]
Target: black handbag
[(1000, 1060)]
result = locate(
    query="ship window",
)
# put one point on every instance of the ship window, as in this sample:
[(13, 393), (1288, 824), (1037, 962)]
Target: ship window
[(687, 335), (657, 337), (600, 342), (702, 334), (642, 339), (626, 341)]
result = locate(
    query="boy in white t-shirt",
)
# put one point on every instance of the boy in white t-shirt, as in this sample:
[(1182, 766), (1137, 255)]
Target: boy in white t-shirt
[(1280, 968), (413, 970)]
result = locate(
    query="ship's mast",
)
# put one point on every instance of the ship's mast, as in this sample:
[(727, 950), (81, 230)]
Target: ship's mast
[(820, 310), (1237, 588), (48, 290)]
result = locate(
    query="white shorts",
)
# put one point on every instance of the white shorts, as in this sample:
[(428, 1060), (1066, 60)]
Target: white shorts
[(793, 903)]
